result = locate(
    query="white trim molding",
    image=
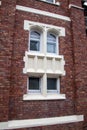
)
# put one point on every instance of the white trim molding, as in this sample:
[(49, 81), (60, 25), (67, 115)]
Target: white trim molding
[(75, 6), (37, 65), (29, 24), (40, 12), (85, 3), (0, 2), (15, 124), (51, 96)]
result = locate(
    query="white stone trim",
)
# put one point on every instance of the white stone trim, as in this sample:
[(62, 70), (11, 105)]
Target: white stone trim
[(32, 68), (28, 24), (57, 3), (75, 6), (46, 97), (85, 3), (0, 2), (14, 124), (40, 12), (41, 70)]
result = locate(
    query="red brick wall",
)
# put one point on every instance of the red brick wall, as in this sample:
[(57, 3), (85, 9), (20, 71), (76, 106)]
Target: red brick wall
[(63, 10), (75, 2), (39, 109), (6, 40), (14, 43), (80, 60)]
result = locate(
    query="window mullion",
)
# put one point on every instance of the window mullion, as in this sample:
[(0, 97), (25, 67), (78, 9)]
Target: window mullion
[(44, 50), (44, 85)]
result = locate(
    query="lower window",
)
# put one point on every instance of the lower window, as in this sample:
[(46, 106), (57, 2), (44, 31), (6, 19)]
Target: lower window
[(34, 84), (51, 85), (43, 85)]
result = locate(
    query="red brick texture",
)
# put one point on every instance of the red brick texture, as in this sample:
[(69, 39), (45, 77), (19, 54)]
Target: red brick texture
[(14, 43), (6, 40), (80, 60)]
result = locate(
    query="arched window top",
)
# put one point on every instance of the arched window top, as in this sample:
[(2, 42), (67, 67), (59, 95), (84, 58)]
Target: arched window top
[(37, 28), (54, 31), (51, 43), (35, 35), (35, 38), (51, 37)]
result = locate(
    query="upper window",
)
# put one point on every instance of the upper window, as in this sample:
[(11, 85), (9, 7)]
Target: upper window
[(51, 43), (50, 1), (35, 41)]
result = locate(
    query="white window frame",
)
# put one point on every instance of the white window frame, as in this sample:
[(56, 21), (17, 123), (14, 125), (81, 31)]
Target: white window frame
[(34, 39), (56, 44)]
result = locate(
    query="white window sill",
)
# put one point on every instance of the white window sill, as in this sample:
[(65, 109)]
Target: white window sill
[(41, 97)]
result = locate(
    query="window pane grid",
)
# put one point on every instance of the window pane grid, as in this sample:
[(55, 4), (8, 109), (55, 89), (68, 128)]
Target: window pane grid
[(51, 48), (35, 35), (34, 41), (51, 84), (34, 46), (34, 83), (51, 43)]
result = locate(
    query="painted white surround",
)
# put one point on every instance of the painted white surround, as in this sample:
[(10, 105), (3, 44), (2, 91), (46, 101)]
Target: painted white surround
[(38, 65), (42, 64), (45, 27), (40, 122), (40, 12)]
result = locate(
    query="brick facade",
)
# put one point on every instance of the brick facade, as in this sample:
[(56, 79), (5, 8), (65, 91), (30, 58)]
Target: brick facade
[(14, 43)]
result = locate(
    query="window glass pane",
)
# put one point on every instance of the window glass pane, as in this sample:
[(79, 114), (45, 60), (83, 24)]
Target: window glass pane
[(34, 41), (51, 38), (51, 1), (34, 83), (34, 45), (51, 48), (35, 35), (51, 84), (51, 43)]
